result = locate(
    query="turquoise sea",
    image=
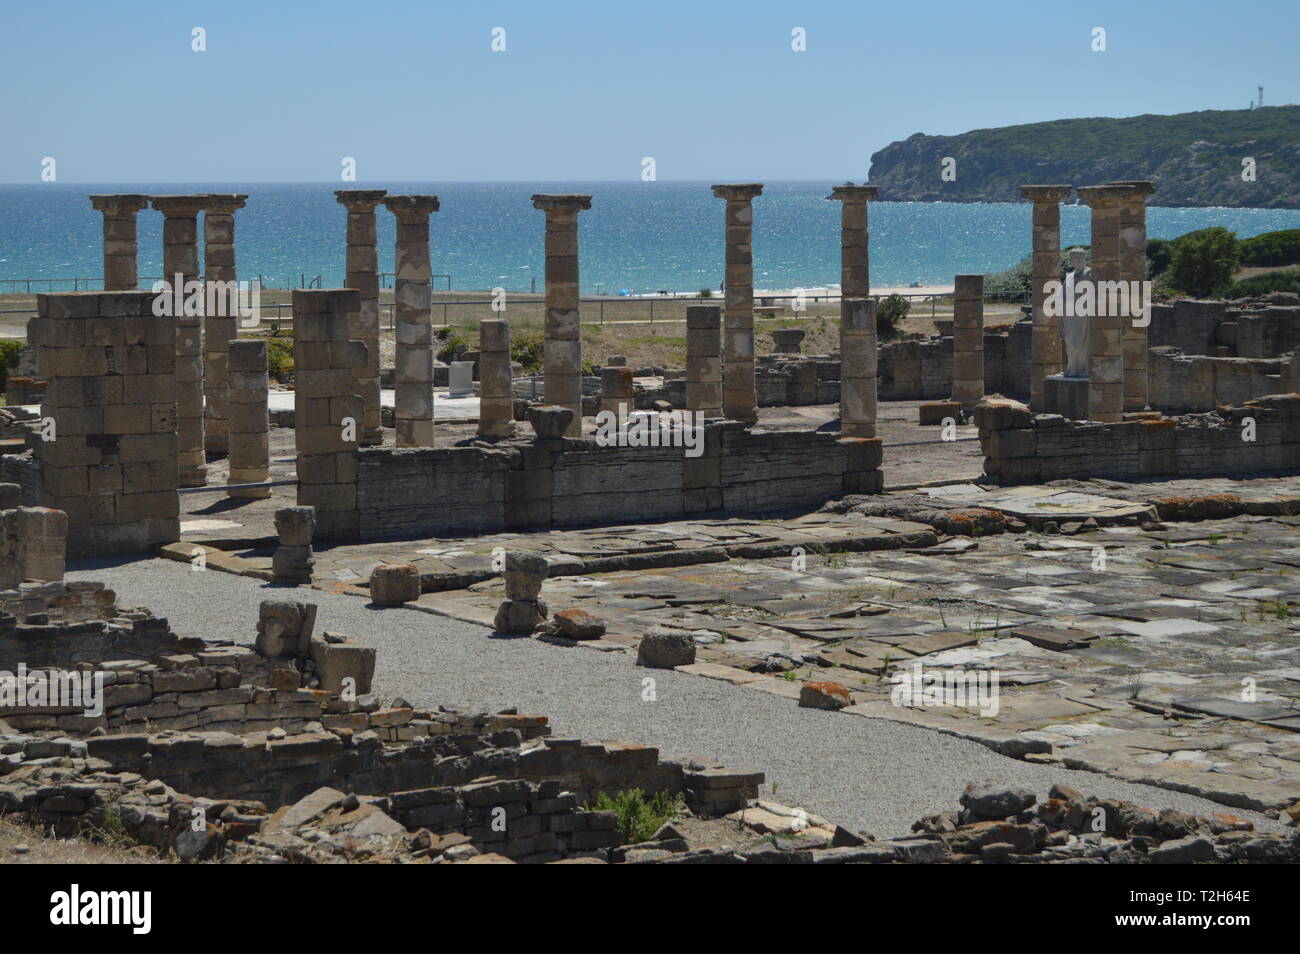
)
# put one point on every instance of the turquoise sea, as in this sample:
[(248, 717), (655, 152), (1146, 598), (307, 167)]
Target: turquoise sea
[(641, 237)]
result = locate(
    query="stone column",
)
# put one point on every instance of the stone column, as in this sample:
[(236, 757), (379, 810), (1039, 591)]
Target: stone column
[(363, 275), (1133, 268), (704, 360), (181, 257), (496, 414), (1045, 355), (617, 391), (739, 392), (413, 310), (562, 346), (968, 341), (250, 452), (855, 258), (857, 367), (121, 272), (1105, 330), (219, 329), (327, 415), (111, 467)]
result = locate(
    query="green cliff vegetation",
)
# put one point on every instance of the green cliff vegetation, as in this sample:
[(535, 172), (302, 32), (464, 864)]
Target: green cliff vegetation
[(1195, 159)]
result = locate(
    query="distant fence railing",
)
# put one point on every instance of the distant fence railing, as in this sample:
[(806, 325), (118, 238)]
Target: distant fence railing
[(625, 309), (13, 286)]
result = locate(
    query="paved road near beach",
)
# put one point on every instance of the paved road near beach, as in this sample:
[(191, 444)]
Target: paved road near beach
[(868, 774)]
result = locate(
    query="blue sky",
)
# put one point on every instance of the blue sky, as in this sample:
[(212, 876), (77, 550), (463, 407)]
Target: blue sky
[(711, 90)]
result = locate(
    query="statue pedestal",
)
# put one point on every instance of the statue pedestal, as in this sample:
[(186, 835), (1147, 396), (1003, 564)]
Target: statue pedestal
[(1066, 396)]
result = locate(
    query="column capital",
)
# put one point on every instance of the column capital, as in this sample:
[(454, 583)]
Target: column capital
[(224, 203), (360, 200), (1141, 187), (179, 205), (570, 202), (1099, 196), (1046, 193), (738, 191), (411, 204), (120, 204), (853, 193)]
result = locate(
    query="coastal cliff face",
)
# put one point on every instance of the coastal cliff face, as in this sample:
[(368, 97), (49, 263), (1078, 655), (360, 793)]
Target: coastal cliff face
[(1195, 159)]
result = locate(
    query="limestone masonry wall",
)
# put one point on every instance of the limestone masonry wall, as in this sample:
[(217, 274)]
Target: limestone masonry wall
[(1023, 448), (571, 482)]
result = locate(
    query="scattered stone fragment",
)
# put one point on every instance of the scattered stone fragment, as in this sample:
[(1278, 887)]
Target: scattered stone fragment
[(663, 648), (392, 584), (578, 624), (824, 695)]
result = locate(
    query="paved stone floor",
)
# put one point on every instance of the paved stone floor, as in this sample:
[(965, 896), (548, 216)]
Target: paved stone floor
[(1164, 653)]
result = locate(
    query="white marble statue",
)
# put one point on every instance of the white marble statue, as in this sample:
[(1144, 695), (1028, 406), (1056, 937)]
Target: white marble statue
[(1074, 327)]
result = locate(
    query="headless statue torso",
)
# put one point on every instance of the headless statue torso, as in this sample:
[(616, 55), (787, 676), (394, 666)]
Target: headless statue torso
[(1074, 328)]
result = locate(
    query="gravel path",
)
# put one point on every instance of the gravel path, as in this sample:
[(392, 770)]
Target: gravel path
[(869, 774)]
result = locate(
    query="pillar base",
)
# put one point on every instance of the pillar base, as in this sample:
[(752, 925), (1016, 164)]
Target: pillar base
[(936, 412), (1067, 397)]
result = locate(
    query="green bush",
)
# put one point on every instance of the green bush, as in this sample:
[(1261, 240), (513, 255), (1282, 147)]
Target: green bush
[(706, 292), (1015, 280), (1204, 261), (279, 356), (1272, 248), (10, 349), (889, 312), (451, 344), (527, 350), (1283, 280), (1160, 253), (639, 817)]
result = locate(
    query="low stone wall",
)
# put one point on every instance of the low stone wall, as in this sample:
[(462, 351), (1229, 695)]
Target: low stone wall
[(25, 471), (1024, 448), (1179, 382), (573, 482)]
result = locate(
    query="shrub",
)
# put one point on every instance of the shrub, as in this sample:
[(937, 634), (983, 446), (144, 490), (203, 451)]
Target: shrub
[(1272, 248), (10, 349), (1159, 254), (889, 312), (639, 817), (279, 356), (706, 292), (450, 347), (1204, 261), (1015, 280), (527, 350), (1282, 280)]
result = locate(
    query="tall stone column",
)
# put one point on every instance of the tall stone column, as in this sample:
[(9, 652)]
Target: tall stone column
[(219, 329), (1045, 352), (739, 392), (121, 272), (496, 403), (363, 275), (968, 341), (1105, 330), (181, 257), (704, 360), (855, 261), (562, 345), (857, 366), (327, 416), (413, 310), (250, 451), (1134, 339)]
